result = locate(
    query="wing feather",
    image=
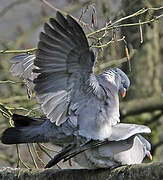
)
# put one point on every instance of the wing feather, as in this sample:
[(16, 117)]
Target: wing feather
[(66, 85), (22, 66)]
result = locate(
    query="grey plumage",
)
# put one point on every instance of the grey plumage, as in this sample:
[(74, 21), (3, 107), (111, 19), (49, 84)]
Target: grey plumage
[(36, 130), (80, 106), (22, 66), (122, 150), (113, 154), (65, 83), (67, 88)]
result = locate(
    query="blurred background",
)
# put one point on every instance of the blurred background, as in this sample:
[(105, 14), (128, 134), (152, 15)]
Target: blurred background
[(20, 24)]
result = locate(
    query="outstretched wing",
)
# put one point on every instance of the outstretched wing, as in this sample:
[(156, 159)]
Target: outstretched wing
[(65, 65), (22, 66), (124, 131), (120, 133)]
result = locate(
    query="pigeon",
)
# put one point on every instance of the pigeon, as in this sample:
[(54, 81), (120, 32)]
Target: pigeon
[(37, 130), (66, 86), (81, 108), (62, 71), (124, 147)]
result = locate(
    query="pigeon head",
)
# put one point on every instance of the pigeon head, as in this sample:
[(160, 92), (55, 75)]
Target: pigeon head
[(146, 147), (120, 78)]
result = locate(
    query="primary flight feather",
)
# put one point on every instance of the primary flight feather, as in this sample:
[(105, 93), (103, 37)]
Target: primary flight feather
[(66, 86)]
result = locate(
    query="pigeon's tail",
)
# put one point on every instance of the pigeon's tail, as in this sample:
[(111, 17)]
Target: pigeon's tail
[(26, 130), (24, 121), (73, 150)]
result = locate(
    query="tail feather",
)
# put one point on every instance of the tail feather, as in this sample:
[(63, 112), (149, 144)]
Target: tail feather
[(59, 156), (73, 150), (22, 121), (35, 130), (11, 136), (26, 130)]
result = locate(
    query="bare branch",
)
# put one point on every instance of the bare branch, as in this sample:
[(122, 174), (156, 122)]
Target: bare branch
[(63, 12), (141, 11), (138, 106), (141, 33), (32, 156), (111, 41), (18, 51), (105, 29)]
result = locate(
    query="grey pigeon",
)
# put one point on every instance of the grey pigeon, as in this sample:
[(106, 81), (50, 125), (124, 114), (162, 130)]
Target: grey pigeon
[(65, 83), (80, 106), (124, 147), (116, 153), (67, 88), (37, 130)]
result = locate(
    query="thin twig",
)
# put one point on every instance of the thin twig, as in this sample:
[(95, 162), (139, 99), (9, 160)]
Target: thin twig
[(137, 24), (127, 54), (44, 151), (32, 156), (18, 161), (5, 110), (19, 157), (37, 155), (47, 154), (112, 41), (141, 11), (116, 62), (18, 51), (106, 28), (53, 7), (11, 82), (63, 12), (141, 33), (49, 149)]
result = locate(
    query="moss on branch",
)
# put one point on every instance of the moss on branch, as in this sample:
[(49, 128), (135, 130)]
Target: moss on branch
[(135, 172)]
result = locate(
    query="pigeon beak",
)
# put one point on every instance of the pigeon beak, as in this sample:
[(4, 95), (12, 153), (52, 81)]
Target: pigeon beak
[(123, 92), (149, 155)]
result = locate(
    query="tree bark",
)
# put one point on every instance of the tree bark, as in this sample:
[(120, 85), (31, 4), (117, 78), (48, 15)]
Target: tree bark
[(135, 172)]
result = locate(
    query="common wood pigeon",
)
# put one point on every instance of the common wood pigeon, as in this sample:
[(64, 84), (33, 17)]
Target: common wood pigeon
[(65, 83), (80, 106), (124, 147)]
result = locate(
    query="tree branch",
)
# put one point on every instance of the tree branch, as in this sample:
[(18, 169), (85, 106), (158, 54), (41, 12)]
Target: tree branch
[(139, 12), (141, 106), (106, 28), (135, 172), (18, 51)]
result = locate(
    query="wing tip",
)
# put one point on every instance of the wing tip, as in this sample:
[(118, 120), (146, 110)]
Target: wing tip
[(147, 129), (59, 14)]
